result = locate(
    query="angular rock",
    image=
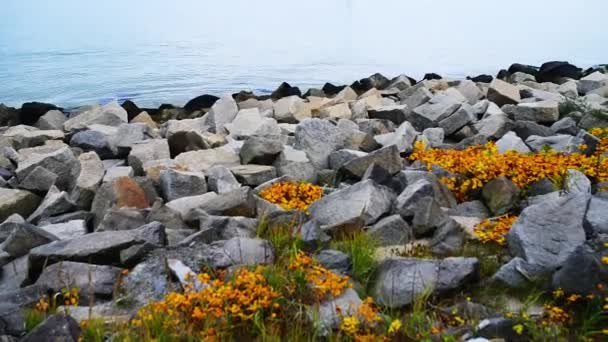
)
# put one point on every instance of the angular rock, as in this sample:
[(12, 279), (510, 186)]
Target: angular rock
[(260, 150), (576, 181), (560, 143), (338, 111), (91, 175), (546, 233), (200, 102), (396, 113), (39, 180), (295, 164), (566, 125), (55, 328), (253, 175), (554, 71), (403, 138), (145, 151), (54, 203), (121, 219), (493, 127), (470, 209), (318, 138), (583, 271), (291, 109), (111, 114), (541, 112), (177, 184), (462, 117), (500, 195), (66, 230), (30, 112), (391, 230), (387, 158), (203, 160), (14, 275), (61, 162), (215, 228), (90, 279), (330, 313), (26, 136), (334, 261), (503, 93), (221, 113), (94, 141), (221, 180), (511, 142), (240, 251), (399, 281), (596, 217)]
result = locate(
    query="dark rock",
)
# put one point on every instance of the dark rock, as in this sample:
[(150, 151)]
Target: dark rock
[(89, 279), (315, 92), (525, 129), (396, 113), (566, 125), (55, 202), (312, 236), (481, 78), (518, 273), (583, 271), (61, 162), (285, 90), (12, 321), (554, 71), (121, 219), (596, 218), (330, 89), (177, 184), (93, 141), (260, 150), (499, 328), (335, 261), (448, 239), (500, 195), (431, 76), (131, 108), (8, 116), (376, 80), (502, 75), (24, 296), (526, 69), (200, 103), (30, 112), (23, 238), (55, 328), (391, 230), (17, 202)]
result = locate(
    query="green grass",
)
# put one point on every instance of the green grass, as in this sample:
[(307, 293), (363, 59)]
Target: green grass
[(361, 248)]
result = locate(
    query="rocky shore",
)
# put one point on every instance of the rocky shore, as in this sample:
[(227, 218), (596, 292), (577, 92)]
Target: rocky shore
[(123, 203)]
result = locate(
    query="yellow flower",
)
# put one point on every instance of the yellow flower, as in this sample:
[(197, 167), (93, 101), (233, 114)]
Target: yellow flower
[(518, 328), (394, 327), (605, 260), (350, 325), (558, 293)]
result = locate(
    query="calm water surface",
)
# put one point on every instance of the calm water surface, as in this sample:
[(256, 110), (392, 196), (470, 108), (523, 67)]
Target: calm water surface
[(74, 52)]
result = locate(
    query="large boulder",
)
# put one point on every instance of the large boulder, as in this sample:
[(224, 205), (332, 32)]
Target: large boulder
[(400, 281), (26, 136), (462, 117), (177, 184), (541, 112), (555, 71), (60, 162), (390, 231), (200, 102), (403, 138), (503, 93), (511, 142), (318, 138), (54, 203), (500, 195), (55, 328), (90, 279), (221, 180), (260, 150), (364, 202), (203, 160), (596, 218), (584, 271), (146, 151), (546, 233), (30, 112), (388, 158), (111, 114), (291, 109), (221, 113), (23, 238), (14, 201)]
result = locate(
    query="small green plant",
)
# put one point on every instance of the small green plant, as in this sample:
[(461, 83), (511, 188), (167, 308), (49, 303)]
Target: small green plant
[(570, 106), (361, 248), (93, 330)]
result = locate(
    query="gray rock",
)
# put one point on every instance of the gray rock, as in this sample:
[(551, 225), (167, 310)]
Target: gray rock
[(566, 125), (291, 109), (54, 203), (591, 120), (399, 281), (240, 251), (147, 150), (462, 117), (546, 233), (441, 193), (91, 175), (61, 162), (448, 239), (215, 228), (337, 111), (312, 236), (435, 136), (55, 328), (221, 113), (38, 180), (26, 136), (511, 141), (237, 202), (203, 160), (111, 114), (177, 184), (518, 273), (500, 195), (116, 172), (14, 274), (470, 209), (503, 93), (101, 248), (541, 112), (560, 143), (576, 181), (23, 238), (365, 201), (24, 296), (90, 279), (95, 141), (499, 328), (260, 150), (583, 271), (53, 119), (66, 230), (247, 122), (340, 157), (334, 261), (121, 219), (295, 164), (493, 127), (318, 138), (403, 138), (596, 217), (17, 202), (391, 230), (221, 180), (568, 89), (183, 205), (396, 113), (592, 82), (12, 322), (405, 203), (525, 129), (253, 175), (437, 109), (329, 314)]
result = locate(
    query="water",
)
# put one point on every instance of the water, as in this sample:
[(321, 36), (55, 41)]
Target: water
[(74, 52)]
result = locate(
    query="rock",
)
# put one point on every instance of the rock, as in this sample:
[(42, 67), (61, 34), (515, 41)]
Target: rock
[(518, 273), (122, 192), (203, 160), (55, 202), (253, 175), (334, 261), (185, 204), (61, 162), (237, 202), (591, 120), (596, 218), (110, 115), (520, 77), (291, 109), (9, 116), (12, 322), (365, 201), (481, 78), (25, 136), (441, 193), (240, 251), (560, 143), (399, 281), (66, 230), (285, 90), (546, 233), (583, 271), (221, 180), (95, 141), (592, 81), (387, 158), (215, 228), (396, 113), (117, 172), (403, 138), (55, 328), (24, 296), (568, 89), (412, 194), (511, 142), (541, 112), (338, 111), (500, 195), (260, 150), (470, 209), (200, 103), (330, 313), (503, 93), (147, 150), (246, 123), (554, 71), (331, 89), (14, 275), (391, 230), (101, 248), (177, 184), (146, 119), (312, 236), (318, 138), (338, 158), (576, 181), (121, 219), (462, 117), (132, 109), (90, 279), (438, 108), (295, 164), (499, 328), (30, 112), (435, 136), (91, 175), (221, 113), (566, 125), (38, 180)]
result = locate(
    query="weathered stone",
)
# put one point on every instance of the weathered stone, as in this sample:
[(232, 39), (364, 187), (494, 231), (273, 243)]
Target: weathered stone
[(541, 112), (260, 150), (55, 328), (61, 162), (237, 202), (240, 251), (221, 180), (365, 201), (387, 158), (215, 228), (500, 195), (14, 275), (566, 125), (546, 233), (203, 160), (399, 281), (437, 109), (470, 209), (146, 119), (91, 175), (295, 164), (403, 138), (39, 180), (441, 193), (576, 181), (518, 273), (396, 113), (596, 217), (145, 151), (391, 230), (337, 111), (177, 184), (334, 261), (66, 230), (111, 114), (121, 219), (435, 136), (330, 313), (221, 113), (253, 175), (583, 271), (338, 158), (55, 202), (25, 136), (560, 143), (511, 142), (462, 117), (554, 71), (95, 141), (117, 172), (493, 127), (470, 91), (503, 93), (318, 138), (90, 279), (291, 109)]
